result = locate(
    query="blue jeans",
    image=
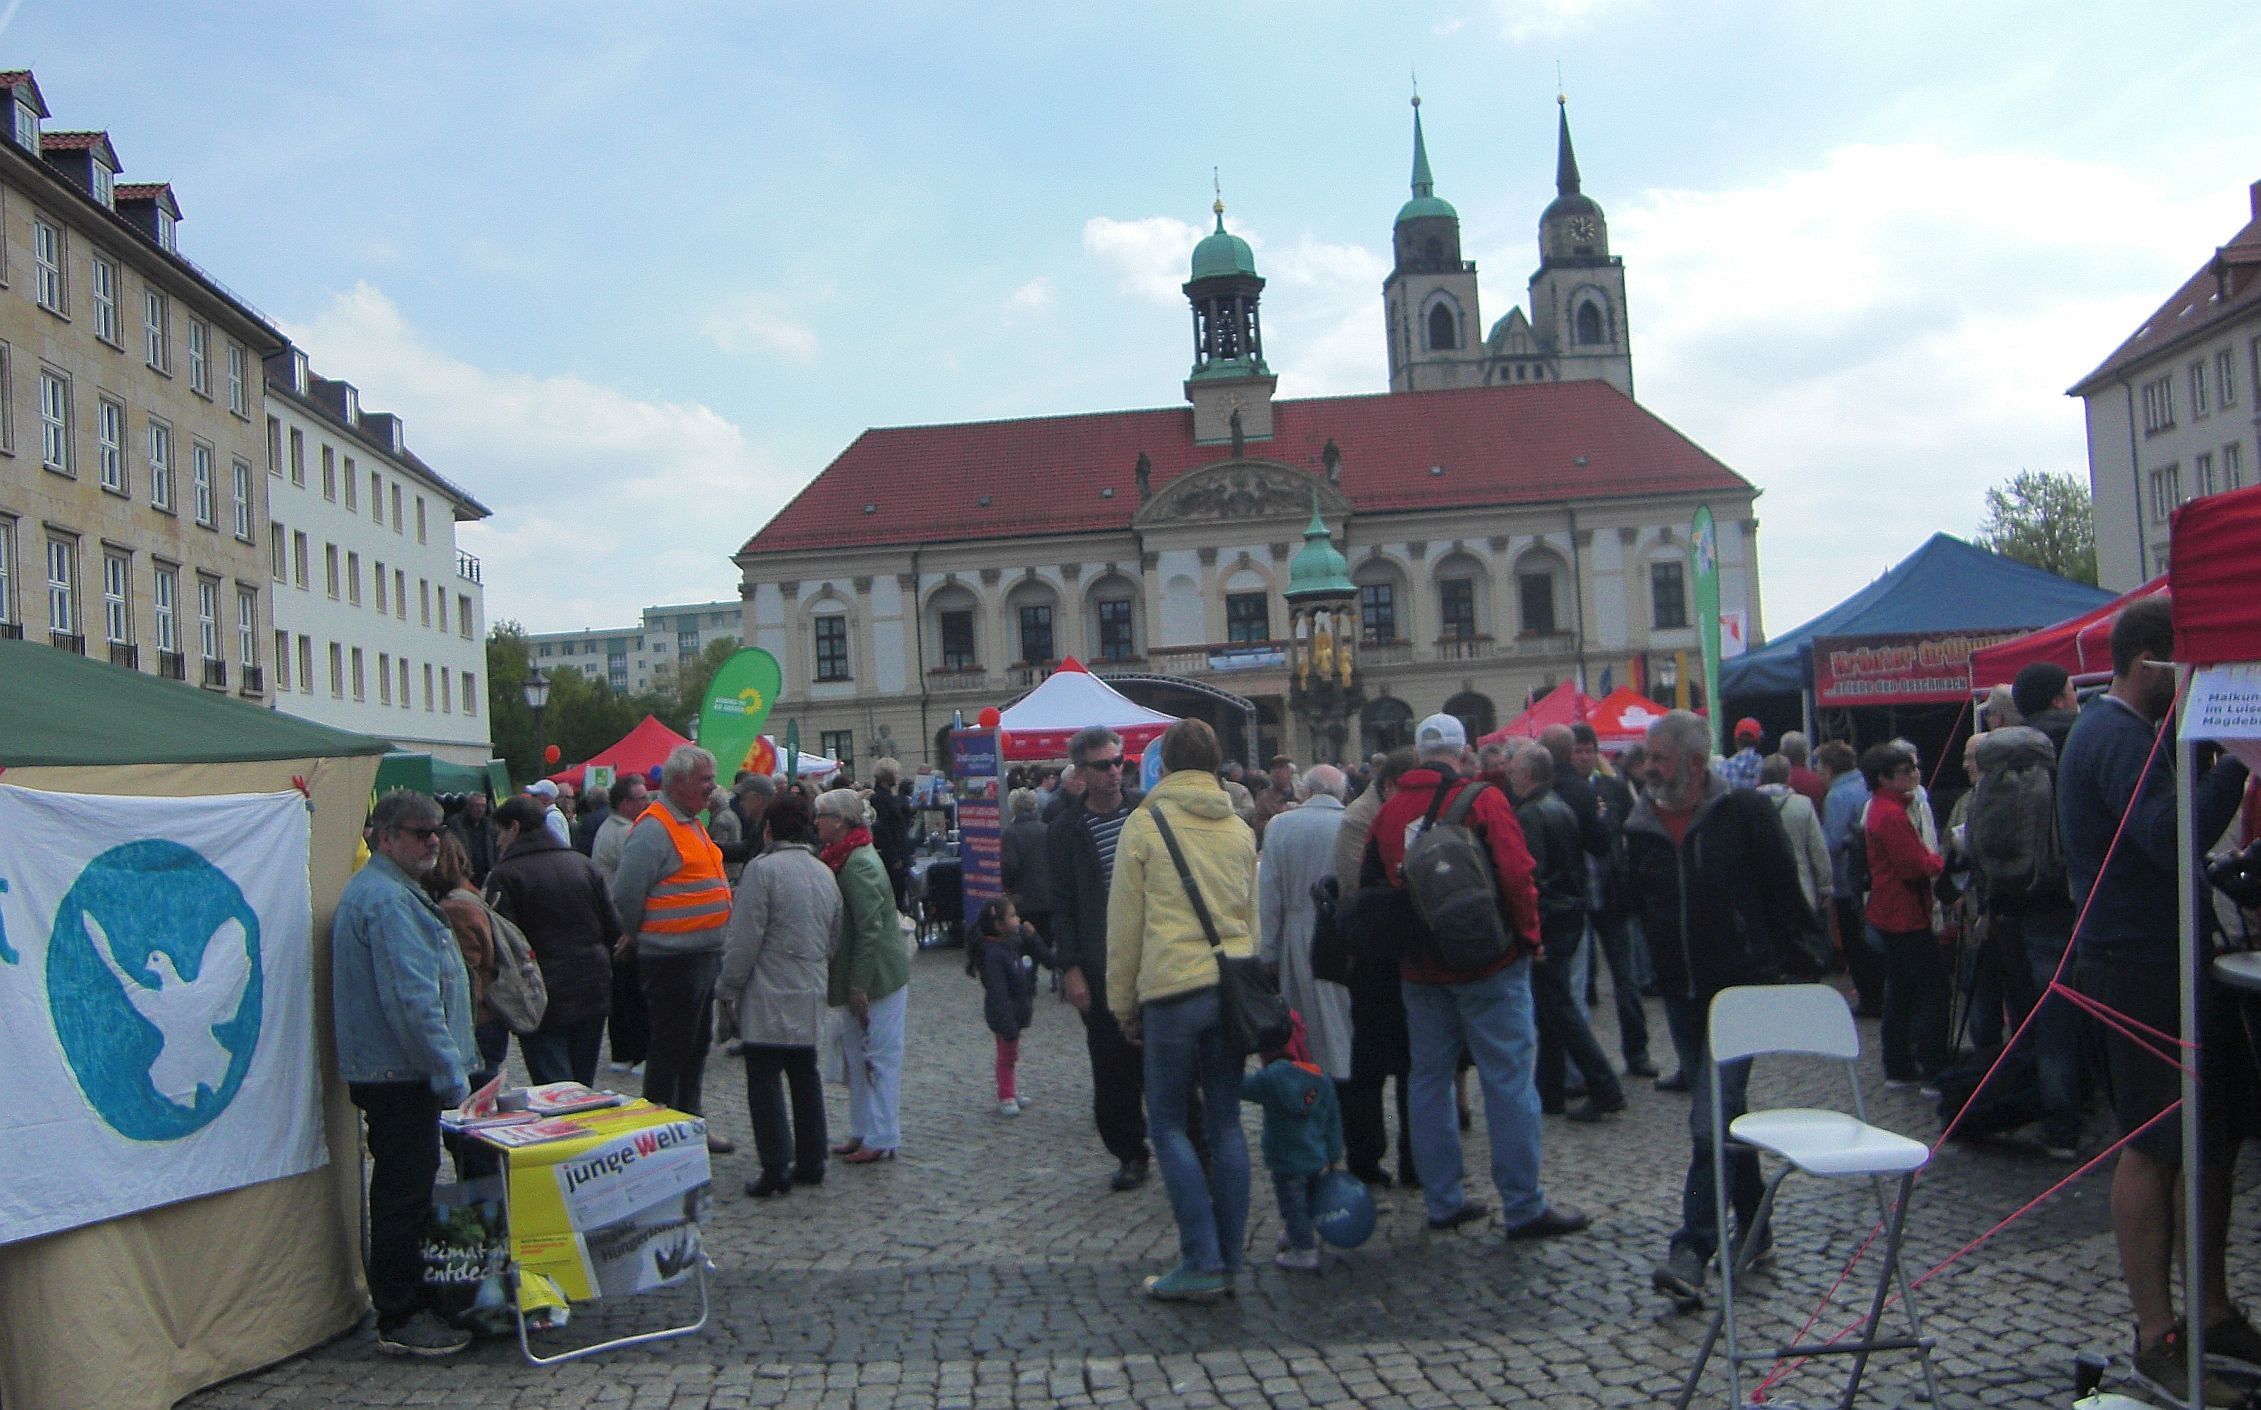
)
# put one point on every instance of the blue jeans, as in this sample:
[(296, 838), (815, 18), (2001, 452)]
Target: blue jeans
[(1492, 1018), (567, 1053), (1626, 956), (2056, 1032), (1699, 1214), (1184, 1044), (1297, 1194)]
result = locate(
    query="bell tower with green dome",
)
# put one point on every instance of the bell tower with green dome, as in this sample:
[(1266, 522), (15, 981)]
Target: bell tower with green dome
[(1429, 298), (1578, 293), (1230, 387)]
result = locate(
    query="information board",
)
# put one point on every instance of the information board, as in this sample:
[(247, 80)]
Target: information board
[(975, 761)]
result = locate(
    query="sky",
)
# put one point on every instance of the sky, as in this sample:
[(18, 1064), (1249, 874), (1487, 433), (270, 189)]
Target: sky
[(634, 274)]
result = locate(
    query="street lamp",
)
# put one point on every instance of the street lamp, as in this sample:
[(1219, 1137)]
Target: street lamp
[(537, 696)]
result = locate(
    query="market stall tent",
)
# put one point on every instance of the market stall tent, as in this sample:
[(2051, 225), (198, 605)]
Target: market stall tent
[(1566, 704), (1040, 723), (139, 1311), (2082, 645), (1621, 719), (639, 751)]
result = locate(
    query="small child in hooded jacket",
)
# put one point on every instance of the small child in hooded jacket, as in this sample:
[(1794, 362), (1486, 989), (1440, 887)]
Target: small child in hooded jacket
[(1008, 987), (1302, 1139)]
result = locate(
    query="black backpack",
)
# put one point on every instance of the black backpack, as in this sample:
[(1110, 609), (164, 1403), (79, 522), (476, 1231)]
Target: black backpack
[(1451, 881)]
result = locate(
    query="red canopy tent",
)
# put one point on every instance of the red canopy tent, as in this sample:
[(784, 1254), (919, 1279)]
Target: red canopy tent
[(2215, 568), (1566, 704), (641, 750), (1621, 719), (1040, 723), (2082, 645)]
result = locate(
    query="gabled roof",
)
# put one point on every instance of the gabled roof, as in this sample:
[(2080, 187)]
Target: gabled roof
[(2227, 285), (1496, 446), (1944, 586), (79, 142), (160, 191)]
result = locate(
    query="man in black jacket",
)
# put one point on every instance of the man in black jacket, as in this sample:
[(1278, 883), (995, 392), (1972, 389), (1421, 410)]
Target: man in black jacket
[(476, 831), (1551, 832), (1612, 926), (1082, 845), (1735, 921)]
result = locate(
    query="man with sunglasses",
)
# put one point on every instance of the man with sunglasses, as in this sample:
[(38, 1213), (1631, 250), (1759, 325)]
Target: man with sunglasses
[(405, 1045), (1082, 841)]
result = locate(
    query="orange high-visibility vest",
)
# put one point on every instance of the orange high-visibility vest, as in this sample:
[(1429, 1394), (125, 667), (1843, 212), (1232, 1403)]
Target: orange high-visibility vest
[(695, 895)]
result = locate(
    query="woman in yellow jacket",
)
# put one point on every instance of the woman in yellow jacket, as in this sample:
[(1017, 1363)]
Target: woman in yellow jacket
[(1162, 985)]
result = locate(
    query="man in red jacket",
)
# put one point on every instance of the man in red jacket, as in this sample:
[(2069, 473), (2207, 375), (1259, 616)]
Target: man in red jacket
[(1487, 1010), (1901, 868)]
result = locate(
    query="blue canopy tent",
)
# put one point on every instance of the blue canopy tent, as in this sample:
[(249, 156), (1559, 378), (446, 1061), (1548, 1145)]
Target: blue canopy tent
[(1945, 586)]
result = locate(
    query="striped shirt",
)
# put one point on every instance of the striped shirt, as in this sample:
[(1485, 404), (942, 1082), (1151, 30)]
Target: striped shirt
[(1106, 829)]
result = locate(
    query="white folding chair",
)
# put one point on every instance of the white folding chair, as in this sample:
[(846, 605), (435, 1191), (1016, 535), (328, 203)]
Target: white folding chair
[(1807, 1020)]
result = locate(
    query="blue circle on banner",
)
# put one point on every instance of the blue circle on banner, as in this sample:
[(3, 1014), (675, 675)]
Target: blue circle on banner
[(1150, 767), (160, 1030), (1344, 1210)]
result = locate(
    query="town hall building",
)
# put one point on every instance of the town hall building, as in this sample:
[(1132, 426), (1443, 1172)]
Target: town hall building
[(1511, 516)]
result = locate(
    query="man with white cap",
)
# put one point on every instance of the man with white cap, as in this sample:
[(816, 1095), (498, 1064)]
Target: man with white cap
[(552, 819), (1483, 1004)]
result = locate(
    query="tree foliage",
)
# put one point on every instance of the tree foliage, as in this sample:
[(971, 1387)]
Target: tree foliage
[(2044, 520), (583, 714)]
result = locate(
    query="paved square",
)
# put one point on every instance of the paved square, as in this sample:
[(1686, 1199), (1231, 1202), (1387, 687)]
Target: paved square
[(990, 1267)]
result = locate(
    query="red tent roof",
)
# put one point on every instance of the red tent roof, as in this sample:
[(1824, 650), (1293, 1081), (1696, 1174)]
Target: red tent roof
[(1622, 718), (1566, 704), (2082, 645), (2211, 562), (641, 750), (1541, 442)]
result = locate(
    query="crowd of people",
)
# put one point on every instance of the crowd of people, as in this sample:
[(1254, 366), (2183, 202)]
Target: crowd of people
[(680, 913)]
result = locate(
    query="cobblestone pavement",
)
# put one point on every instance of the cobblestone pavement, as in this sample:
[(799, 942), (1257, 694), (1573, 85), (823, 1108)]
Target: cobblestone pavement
[(990, 1267)]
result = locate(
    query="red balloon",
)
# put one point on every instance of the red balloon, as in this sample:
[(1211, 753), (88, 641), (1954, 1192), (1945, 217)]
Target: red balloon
[(551, 754), (1004, 743), (989, 717)]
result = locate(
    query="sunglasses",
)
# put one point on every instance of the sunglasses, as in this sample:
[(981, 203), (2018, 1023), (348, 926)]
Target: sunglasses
[(426, 833), (1115, 763)]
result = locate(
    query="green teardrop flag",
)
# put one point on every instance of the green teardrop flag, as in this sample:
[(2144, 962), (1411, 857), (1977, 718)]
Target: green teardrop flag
[(792, 751), (737, 701), (1703, 547)]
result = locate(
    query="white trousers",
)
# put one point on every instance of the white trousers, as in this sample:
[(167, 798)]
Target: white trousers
[(874, 1058)]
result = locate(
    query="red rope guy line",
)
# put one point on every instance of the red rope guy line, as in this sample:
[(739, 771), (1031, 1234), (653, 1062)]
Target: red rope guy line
[(2055, 985)]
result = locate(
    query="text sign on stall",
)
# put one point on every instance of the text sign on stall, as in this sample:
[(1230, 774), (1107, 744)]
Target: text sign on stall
[(974, 763), (1910, 668)]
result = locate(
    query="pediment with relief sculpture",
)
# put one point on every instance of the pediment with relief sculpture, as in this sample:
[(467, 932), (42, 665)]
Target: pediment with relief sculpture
[(1242, 489)]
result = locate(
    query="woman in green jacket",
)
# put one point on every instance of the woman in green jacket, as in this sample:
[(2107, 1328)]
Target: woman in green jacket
[(870, 978)]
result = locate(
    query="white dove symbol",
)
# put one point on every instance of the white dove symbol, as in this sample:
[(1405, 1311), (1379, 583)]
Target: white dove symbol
[(189, 1057)]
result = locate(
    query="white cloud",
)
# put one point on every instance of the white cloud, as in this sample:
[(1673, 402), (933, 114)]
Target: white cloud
[(1550, 19), (603, 502), (755, 323), (1036, 296), (1876, 339), (1149, 256)]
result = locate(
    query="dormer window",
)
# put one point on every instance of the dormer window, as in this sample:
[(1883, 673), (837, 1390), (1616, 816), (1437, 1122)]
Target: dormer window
[(164, 228), (100, 181), (27, 126)]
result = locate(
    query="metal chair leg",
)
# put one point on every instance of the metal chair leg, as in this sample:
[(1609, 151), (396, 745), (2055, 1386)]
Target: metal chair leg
[(1745, 1253), (1884, 1278)]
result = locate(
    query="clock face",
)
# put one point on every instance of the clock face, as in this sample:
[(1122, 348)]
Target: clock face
[(1582, 228)]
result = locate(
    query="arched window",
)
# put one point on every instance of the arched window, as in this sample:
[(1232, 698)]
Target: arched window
[(1112, 625), (1589, 331), (1463, 598), (1474, 711), (1384, 612), (1542, 593), (1031, 623), (1444, 331), (1384, 724)]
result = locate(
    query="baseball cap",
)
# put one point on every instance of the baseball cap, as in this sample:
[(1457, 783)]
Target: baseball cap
[(1440, 732), (543, 788), (1748, 728)]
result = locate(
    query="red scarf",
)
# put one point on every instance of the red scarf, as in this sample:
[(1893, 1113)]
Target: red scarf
[(836, 855)]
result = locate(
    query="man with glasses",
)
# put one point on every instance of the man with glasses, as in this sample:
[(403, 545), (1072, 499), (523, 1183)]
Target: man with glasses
[(1082, 842), (405, 1045), (1901, 868)]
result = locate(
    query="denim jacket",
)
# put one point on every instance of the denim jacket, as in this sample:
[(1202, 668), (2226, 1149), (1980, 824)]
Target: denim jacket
[(401, 999)]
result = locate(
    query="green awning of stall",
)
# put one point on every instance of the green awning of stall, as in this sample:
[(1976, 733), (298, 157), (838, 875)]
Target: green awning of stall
[(427, 774), (59, 709)]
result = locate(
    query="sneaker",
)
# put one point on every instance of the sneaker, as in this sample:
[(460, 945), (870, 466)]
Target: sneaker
[(1008, 1107), (2233, 1345), (1187, 1285), (1680, 1277), (1553, 1222), (1468, 1213), (2161, 1369), (422, 1335), (1298, 1260)]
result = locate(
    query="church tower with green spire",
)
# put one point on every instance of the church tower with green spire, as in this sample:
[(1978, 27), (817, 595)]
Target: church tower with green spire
[(1578, 293), (1429, 298)]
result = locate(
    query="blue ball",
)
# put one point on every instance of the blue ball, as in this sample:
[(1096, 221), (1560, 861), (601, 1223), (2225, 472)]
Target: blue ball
[(1344, 1211)]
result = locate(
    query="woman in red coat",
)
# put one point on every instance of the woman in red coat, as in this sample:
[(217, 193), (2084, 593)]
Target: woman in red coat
[(1901, 868)]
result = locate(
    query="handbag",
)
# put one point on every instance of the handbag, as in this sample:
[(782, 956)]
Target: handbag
[(1330, 947), (1254, 1016)]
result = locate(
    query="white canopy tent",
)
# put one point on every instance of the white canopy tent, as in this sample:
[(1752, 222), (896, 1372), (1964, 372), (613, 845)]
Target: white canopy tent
[(1040, 723)]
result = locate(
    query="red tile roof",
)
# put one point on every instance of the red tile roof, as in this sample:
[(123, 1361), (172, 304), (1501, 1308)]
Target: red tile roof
[(2228, 284), (72, 141), (14, 78), (1499, 446)]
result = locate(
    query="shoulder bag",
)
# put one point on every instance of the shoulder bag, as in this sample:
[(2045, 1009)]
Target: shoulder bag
[(1249, 1005)]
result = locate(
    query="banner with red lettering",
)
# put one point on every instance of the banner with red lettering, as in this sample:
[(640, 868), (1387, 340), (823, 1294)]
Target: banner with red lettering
[(1912, 668)]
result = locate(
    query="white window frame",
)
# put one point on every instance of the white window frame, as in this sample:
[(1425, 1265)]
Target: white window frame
[(8, 570), (104, 284), (62, 586), (104, 184), (278, 550), (27, 127), (282, 662), (7, 397), (332, 574), (236, 401), (353, 578), (2225, 378), (156, 316), (50, 249), (384, 678), (110, 444), (247, 626), (470, 694), (329, 472), (352, 487), (208, 617), (239, 472), (117, 596), (2233, 466), (200, 474), (164, 605), (305, 665), (160, 465), (360, 675), (199, 357), (379, 576), (54, 421)]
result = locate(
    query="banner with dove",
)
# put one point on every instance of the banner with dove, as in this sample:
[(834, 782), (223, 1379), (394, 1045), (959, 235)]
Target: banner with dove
[(156, 1002)]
